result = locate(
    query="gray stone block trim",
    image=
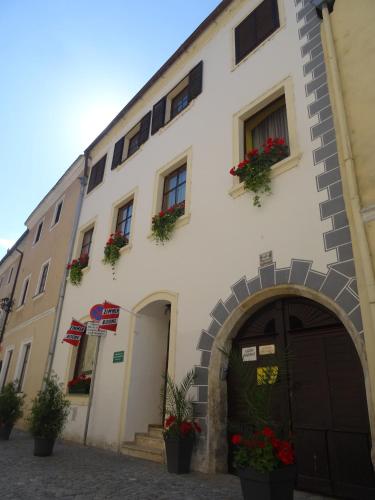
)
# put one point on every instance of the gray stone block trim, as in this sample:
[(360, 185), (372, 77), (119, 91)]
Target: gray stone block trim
[(240, 289), (333, 284), (231, 303)]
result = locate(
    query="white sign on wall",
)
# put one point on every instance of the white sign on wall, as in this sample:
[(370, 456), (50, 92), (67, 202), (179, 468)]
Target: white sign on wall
[(249, 353), (92, 328), (266, 349)]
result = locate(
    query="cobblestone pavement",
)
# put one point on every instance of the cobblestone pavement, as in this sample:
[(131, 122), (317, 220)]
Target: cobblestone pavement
[(76, 472)]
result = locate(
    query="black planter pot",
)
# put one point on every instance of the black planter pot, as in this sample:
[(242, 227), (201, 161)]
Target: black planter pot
[(43, 447), (274, 485), (5, 430), (179, 450)]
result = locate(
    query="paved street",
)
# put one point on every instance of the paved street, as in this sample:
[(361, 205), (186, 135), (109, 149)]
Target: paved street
[(76, 472)]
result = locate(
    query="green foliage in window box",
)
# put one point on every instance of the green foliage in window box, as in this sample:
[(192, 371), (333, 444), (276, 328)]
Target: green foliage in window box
[(255, 170), (49, 411), (75, 269), (11, 404), (79, 385), (112, 248), (163, 224)]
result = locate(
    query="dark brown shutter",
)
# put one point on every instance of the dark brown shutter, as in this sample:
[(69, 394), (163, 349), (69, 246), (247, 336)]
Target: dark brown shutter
[(158, 116), (256, 28), (145, 128), (97, 173), (195, 81), (117, 153)]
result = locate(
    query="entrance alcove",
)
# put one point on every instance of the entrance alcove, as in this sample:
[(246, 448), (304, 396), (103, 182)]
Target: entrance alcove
[(149, 364)]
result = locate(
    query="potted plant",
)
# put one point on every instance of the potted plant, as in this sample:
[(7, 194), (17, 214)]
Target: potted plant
[(48, 416), (164, 223), (115, 242), (11, 404), (75, 269), (79, 385), (255, 170), (263, 457), (179, 428)]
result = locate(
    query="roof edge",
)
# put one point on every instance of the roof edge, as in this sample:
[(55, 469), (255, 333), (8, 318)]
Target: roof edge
[(12, 249)]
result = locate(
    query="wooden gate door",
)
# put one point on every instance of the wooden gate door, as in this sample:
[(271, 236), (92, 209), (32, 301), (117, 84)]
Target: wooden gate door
[(324, 404)]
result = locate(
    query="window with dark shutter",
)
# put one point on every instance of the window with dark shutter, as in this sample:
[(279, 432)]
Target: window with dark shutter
[(117, 153), (96, 174), (258, 26), (158, 115), (195, 81), (58, 213), (144, 130)]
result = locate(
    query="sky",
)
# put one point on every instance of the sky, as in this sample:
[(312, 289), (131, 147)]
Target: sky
[(67, 67)]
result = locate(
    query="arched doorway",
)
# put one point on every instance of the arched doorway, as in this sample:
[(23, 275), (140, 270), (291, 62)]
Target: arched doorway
[(323, 402)]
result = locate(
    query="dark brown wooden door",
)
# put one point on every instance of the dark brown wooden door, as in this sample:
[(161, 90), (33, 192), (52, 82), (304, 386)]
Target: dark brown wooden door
[(324, 402)]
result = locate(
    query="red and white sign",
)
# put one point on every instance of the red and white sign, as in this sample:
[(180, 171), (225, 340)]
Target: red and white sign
[(109, 317), (74, 334)]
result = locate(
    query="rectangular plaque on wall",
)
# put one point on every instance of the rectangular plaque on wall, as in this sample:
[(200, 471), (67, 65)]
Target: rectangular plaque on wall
[(265, 258)]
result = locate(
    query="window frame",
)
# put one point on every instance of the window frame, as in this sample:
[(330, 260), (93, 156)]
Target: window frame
[(54, 223), (42, 267), (10, 274), (124, 200), (38, 232), (24, 290), (166, 193), (22, 364), (98, 166), (86, 231), (161, 174), (284, 88), (8, 356)]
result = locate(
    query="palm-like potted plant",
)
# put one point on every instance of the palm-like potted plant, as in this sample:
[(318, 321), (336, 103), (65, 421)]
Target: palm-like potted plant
[(263, 455), (11, 404), (48, 416), (180, 430)]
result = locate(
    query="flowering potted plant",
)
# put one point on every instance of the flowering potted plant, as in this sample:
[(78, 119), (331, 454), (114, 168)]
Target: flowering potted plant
[(10, 409), (255, 170), (163, 224), (79, 385), (75, 269), (179, 428), (262, 461), (112, 248)]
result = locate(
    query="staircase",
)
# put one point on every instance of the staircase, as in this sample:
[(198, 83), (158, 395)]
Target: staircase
[(149, 446)]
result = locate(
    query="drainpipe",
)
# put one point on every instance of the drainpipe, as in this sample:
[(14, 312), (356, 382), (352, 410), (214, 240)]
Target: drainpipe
[(56, 324), (352, 201), (11, 294)]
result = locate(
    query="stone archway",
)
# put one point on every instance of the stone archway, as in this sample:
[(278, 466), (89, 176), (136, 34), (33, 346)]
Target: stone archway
[(333, 290)]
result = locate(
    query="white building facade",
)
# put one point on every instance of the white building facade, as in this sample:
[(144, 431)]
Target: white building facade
[(227, 259)]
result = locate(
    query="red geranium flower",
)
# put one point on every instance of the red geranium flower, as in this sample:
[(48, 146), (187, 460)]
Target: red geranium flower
[(161, 213), (169, 421), (236, 439), (268, 432), (232, 170), (186, 427)]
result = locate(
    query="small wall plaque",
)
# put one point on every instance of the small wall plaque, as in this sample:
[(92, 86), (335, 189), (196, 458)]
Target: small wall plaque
[(118, 357), (249, 353), (267, 349), (265, 258)]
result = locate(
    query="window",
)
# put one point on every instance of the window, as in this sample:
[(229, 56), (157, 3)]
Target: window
[(270, 121), (10, 275), (174, 188), (96, 174), (124, 218), (86, 243), (5, 367), (85, 355), (43, 278), (177, 99), (257, 26), (1, 281), (132, 141), (38, 232), (25, 357), (24, 291), (57, 214)]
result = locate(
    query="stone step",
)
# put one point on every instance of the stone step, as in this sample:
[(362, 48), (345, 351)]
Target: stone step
[(147, 441), (133, 450), (155, 431)]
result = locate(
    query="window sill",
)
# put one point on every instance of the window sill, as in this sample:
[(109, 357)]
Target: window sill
[(126, 248), (182, 221), (277, 169), (78, 399), (18, 308), (127, 159), (179, 115), (38, 295)]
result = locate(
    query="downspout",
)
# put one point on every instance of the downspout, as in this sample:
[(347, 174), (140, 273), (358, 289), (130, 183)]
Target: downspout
[(11, 294), (352, 201), (56, 324)]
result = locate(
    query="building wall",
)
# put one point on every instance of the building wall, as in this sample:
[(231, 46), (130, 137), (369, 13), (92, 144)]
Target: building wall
[(33, 321), (211, 265)]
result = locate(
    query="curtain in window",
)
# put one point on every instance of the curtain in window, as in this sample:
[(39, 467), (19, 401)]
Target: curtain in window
[(275, 125)]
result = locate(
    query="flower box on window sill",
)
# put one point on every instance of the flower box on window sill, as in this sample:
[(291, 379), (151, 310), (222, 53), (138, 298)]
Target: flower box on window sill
[(79, 390), (79, 385), (277, 169), (182, 221)]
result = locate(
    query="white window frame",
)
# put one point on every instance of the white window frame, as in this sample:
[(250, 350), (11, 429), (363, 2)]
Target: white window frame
[(10, 274), (6, 364), (20, 362), (171, 95), (53, 223), (130, 196), (37, 292), (20, 304), (40, 223), (283, 88)]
